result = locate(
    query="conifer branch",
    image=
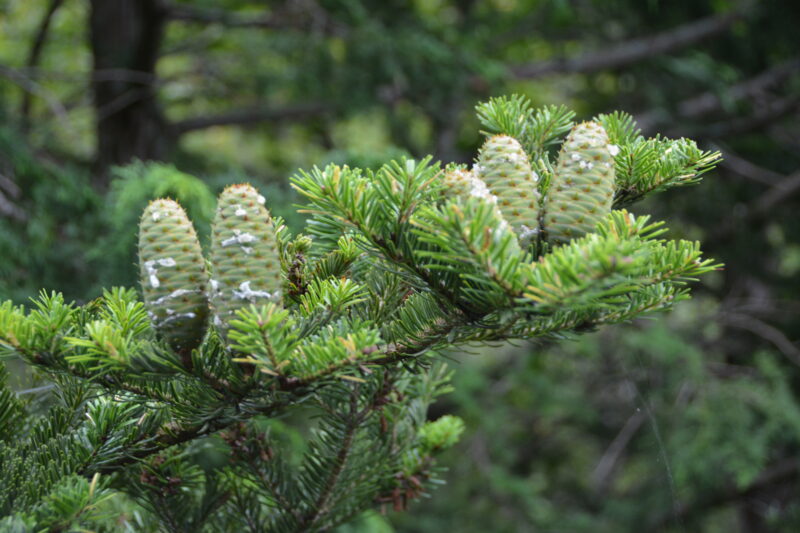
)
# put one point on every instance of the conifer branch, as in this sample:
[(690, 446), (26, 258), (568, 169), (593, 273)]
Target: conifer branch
[(347, 320), (320, 507)]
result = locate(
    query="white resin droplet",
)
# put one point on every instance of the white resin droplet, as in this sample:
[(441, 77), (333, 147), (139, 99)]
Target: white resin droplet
[(175, 294), (246, 293), (239, 238)]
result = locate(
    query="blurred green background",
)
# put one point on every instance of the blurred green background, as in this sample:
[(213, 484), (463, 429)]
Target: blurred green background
[(686, 422)]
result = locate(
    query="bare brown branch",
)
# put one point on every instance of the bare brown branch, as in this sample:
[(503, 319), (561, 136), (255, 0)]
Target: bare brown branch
[(632, 51), (188, 13), (33, 57), (249, 117), (710, 102), (773, 110), (608, 462), (760, 208), (11, 210), (713, 102), (30, 85), (779, 193), (778, 473), (765, 331), (298, 15), (747, 169)]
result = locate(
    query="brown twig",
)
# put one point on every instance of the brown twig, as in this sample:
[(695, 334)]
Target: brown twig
[(11, 210), (28, 84), (785, 470), (632, 51), (189, 13), (713, 102), (249, 117), (605, 466), (773, 110), (760, 208), (767, 332), (306, 15), (34, 55), (747, 169)]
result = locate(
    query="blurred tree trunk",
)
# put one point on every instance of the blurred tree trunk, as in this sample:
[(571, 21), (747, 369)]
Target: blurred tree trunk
[(125, 37)]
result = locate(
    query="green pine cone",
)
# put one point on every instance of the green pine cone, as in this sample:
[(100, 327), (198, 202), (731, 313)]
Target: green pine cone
[(457, 182), (503, 165), (582, 188), (173, 275), (245, 261)]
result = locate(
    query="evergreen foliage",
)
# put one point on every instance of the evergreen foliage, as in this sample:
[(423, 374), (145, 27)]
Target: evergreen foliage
[(58, 214), (390, 272)]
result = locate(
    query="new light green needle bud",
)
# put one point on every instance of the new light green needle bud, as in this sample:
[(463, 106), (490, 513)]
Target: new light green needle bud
[(245, 260), (582, 188), (441, 434), (173, 275), (503, 165)]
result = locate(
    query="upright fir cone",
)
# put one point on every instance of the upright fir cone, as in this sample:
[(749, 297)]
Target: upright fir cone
[(582, 188), (245, 263), (457, 182), (503, 165), (173, 275)]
